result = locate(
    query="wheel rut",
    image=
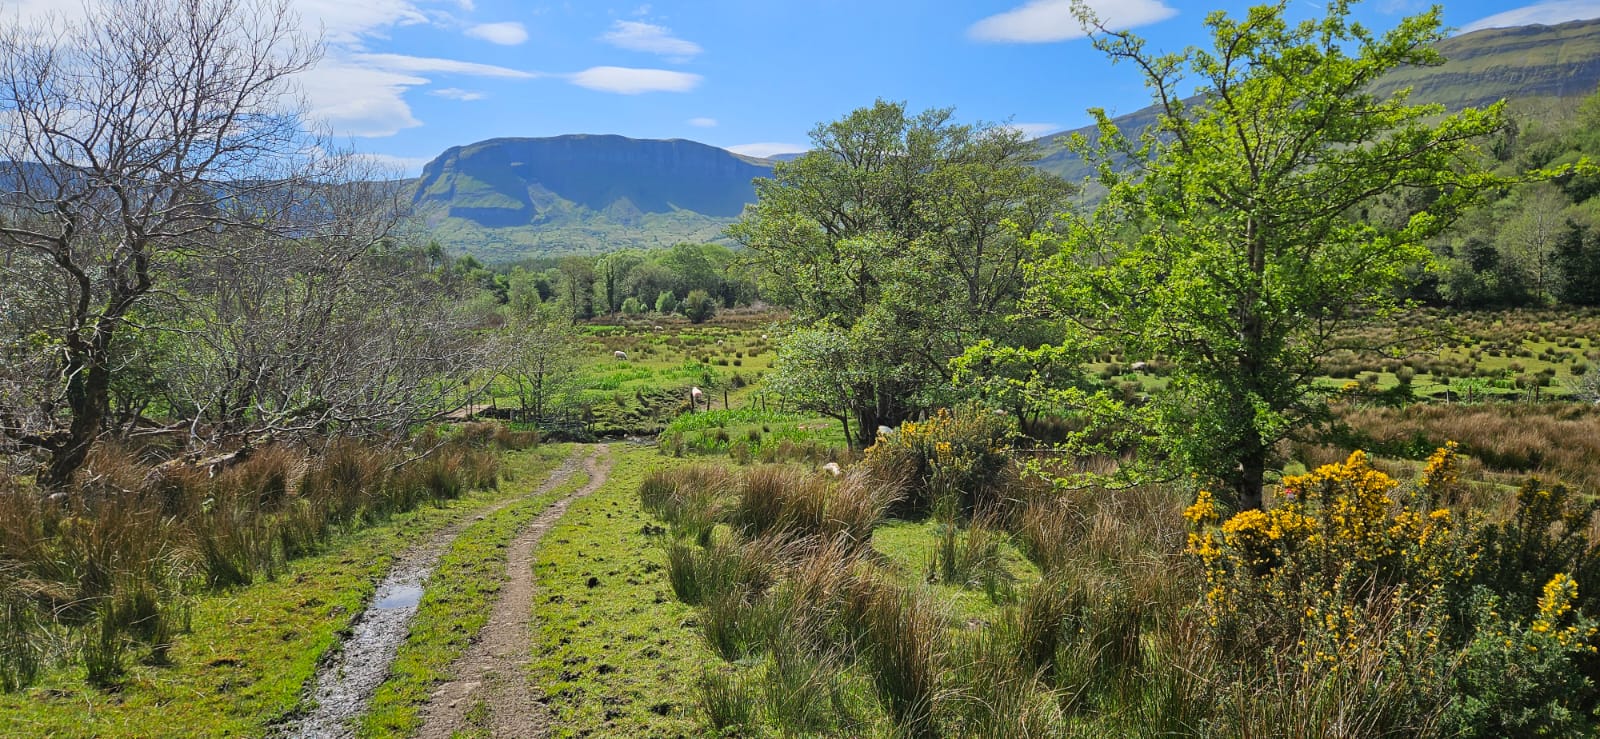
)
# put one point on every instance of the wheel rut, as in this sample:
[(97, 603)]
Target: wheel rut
[(345, 684), (491, 682)]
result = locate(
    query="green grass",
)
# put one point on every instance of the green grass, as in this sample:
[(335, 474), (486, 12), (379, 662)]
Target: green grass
[(909, 545), (456, 602), (617, 655), (251, 650)]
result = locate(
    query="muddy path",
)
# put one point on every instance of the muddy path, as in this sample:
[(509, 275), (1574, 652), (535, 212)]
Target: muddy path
[(491, 682), (345, 683)]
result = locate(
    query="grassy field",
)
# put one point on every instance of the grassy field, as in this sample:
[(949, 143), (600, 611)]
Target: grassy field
[(615, 652), (1507, 355), (250, 650)]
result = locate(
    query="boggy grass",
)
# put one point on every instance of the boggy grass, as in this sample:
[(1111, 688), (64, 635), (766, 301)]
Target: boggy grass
[(100, 573)]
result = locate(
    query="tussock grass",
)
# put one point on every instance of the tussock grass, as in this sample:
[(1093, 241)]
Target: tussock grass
[(102, 573)]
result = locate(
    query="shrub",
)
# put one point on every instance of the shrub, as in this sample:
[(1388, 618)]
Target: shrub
[(956, 459), (698, 307)]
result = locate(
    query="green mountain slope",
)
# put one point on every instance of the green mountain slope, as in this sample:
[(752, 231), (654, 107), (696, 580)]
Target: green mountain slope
[(1480, 68), (504, 197)]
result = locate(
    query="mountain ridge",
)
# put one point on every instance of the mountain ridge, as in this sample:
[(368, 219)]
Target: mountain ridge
[(506, 197)]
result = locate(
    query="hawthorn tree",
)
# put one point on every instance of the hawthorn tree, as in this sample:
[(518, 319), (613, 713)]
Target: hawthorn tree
[(902, 238), (1231, 239)]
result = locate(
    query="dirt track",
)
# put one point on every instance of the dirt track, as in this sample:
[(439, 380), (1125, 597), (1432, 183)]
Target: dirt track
[(345, 684), (491, 679)]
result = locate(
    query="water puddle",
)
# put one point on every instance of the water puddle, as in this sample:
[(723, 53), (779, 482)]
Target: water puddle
[(344, 685), (402, 596)]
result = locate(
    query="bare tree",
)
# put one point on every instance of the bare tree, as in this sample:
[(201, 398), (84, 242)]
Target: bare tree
[(134, 139)]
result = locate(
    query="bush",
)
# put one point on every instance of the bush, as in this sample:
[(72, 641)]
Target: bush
[(955, 461), (698, 306)]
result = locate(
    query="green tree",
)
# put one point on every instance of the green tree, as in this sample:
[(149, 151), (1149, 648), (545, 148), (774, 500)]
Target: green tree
[(666, 302), (1232, 242), (698, 306), (903, 238), (539, 358)]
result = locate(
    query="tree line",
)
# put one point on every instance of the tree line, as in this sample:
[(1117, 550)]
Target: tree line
[(926, 262)]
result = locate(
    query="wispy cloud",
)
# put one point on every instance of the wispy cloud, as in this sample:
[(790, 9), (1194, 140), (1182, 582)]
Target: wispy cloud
[(1545, 13), (353, 91), (767, 149), (629, 81), (650, 38), (396, 166), (426, 64), (509, 33), (456, 93), (356, 100), (1045, 21), (1035, 130), (703, 122)]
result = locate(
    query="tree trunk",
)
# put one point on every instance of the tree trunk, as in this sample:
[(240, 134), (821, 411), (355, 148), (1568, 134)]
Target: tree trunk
[(1252, 472), (88, 394)]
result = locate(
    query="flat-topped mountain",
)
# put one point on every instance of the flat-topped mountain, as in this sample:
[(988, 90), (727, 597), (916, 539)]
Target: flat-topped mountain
[(583, 192)]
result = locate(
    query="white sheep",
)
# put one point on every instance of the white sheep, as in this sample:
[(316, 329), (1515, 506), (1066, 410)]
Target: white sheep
[(1138, 366), (832, 468), (620, 354), (885, 431), (657, 328), (695, 396)]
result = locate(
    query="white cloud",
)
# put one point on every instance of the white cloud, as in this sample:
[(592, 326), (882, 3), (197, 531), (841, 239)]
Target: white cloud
[(1044, 21), (426, 64), (346, 22), (767, 149), (509, 33), (355, 100), (352, 91), (629, 81), (1035, 130), (703, 122), (396, 166), (456, 93), (1546, 13), (653, 39)]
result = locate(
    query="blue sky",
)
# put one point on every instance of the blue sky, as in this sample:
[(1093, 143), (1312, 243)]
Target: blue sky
[(405, 79)]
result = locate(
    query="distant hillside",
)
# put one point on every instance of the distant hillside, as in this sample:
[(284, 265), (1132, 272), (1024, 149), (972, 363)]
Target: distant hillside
[(505, 198), (1480, 68), (582, 193)]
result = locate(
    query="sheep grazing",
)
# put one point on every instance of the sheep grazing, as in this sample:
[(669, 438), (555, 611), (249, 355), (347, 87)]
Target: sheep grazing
[(695, 396), (884, 431), (656, 328), (1138, 366), (832, 468), (620, 354)]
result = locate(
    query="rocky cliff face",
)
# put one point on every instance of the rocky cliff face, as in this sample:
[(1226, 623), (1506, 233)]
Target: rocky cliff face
[(566, 179)]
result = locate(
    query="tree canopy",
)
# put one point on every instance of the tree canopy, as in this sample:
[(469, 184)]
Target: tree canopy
[(904, 236), (1232, 240)]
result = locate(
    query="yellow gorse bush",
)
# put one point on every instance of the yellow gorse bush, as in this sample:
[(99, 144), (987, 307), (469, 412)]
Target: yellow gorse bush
[(953, 454), (1341, 523)]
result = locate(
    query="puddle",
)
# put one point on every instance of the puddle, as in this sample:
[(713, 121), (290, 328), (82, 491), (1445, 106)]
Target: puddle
[(344, 685), (401, 596)]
